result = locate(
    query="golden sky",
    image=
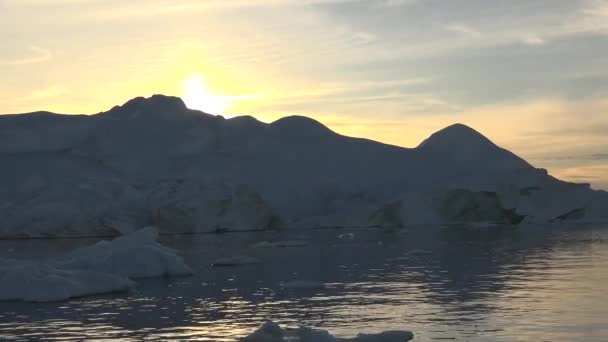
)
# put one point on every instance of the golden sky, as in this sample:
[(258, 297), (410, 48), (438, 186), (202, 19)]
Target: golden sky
[(530, 75)]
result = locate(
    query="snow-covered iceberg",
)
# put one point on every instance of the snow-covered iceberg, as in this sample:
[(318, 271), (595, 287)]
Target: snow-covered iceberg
[(107, 266), (272, 332)]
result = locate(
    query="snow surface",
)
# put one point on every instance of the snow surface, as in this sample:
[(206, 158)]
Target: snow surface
[(152, 161), (272, 332), (107, 266)]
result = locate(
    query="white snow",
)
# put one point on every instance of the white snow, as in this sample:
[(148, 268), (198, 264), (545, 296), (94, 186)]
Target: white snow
[(272, 332), (106, 266)]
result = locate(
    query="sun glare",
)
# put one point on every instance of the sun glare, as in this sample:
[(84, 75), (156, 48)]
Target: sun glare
[(198, 96)]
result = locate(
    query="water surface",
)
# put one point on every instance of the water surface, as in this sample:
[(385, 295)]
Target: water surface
[(526, 284)]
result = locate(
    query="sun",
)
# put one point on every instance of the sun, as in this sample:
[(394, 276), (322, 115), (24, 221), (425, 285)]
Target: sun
[(198, 96)]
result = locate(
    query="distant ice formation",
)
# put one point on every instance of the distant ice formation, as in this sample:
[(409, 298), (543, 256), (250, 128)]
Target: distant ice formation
[(152, 161)]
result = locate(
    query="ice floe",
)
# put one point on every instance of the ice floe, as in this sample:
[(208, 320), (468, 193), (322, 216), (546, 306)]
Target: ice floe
[(107, 266), (236, 260), (272, 332)]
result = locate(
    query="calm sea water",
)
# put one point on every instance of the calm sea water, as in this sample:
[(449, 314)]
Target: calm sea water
[(527, 284)]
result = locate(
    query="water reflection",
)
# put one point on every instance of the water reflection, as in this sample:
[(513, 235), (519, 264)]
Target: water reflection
[(528, 284)]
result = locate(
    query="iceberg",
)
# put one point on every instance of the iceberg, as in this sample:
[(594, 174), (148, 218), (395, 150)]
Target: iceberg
[(40, 282), (272, 332), (107, 266), (137, 255), (153, 161)]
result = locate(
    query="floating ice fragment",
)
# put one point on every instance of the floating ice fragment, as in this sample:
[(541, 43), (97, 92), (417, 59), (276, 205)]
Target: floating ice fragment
[(236, 261), (272, 332)]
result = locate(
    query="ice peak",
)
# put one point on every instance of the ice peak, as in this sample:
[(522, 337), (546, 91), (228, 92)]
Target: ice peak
[(156, 104), (456, 135), (300, 125)]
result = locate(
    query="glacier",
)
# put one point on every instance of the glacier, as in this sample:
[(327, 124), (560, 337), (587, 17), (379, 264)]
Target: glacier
[(153, 161)]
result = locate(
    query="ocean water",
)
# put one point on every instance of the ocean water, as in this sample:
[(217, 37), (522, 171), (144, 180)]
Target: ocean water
[(443, 283)]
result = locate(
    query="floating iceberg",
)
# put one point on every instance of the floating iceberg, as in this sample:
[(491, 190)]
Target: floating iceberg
[(39, 282), (272, 332), (106, 266), (137, 255)]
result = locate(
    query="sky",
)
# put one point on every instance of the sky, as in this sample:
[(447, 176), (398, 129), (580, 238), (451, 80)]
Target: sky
[(532, 75)]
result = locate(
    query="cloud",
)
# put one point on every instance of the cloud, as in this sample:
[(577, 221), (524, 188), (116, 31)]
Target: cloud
[(597, 175), (115, 9), (38, 55), (45, 93), (356, 97), (41, 98), (465, 30), (394, 3), (593, 17), (533, 40)]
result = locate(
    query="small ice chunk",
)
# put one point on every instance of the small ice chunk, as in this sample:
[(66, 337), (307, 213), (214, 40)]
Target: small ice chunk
[(280, 244), (483, 225), (236, 261), (272, 332), (386, 336), (304, 284), (347, 236), (419, 251)]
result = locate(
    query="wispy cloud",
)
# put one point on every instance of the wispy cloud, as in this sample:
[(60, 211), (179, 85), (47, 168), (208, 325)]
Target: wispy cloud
[(37, 55), (464, 29), (393, 3), (533, 40), (593, 17), (42, 97), (597, 175)]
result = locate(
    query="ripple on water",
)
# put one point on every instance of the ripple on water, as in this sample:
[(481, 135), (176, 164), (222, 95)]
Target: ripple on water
[(542, 284)]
